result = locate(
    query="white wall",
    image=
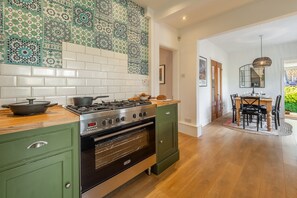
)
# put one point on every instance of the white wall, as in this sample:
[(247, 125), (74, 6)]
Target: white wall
[(238, 18), (273, 74), (86, 72), (212, 52)]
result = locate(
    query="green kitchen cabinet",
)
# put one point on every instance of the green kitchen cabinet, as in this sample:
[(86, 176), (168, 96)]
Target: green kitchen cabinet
[(166, 137), (40, 163)]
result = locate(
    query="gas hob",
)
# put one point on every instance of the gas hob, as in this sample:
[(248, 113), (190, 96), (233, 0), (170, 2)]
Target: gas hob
[(107, 115)]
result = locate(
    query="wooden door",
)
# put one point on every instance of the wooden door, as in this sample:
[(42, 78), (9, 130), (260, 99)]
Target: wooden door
[(216, 90)]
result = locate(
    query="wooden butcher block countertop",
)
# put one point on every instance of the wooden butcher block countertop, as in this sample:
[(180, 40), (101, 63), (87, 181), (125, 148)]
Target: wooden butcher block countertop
[(56, 115), (164, 102)]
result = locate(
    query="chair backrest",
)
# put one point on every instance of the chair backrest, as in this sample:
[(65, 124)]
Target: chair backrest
[(233, 96), (251, 103), (277, 102)]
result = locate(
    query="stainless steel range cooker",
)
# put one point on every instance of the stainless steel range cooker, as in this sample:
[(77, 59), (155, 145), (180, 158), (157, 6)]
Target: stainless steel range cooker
[(114, 137)]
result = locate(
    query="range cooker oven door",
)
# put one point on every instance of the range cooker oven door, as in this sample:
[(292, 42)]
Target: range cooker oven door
[(106, 154)]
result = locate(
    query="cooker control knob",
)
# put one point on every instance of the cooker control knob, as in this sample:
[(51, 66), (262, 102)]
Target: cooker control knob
[(140, 114), (110, 121), (117, 119), (144, 113), (134, 115), (123, 118), (104, 122)]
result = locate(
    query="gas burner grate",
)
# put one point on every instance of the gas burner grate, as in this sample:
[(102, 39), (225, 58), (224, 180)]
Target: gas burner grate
[(107, 106)]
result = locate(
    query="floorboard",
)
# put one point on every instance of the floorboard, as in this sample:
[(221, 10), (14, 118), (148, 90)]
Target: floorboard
[(224, 163)]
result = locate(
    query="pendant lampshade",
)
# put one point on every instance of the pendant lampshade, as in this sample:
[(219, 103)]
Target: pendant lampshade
[(262, 61)]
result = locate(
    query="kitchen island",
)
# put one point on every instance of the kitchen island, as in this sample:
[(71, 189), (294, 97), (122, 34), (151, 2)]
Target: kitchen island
[(39, 154)]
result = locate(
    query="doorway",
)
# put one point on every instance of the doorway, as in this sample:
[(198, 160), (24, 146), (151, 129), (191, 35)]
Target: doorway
[(290, 88), (166, 72), (216, 90)]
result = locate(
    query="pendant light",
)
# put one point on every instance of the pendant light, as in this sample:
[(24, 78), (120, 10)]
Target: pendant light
[(262, 61)]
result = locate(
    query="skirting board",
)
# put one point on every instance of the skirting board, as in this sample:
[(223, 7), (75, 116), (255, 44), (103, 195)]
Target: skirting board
[(190, 129)]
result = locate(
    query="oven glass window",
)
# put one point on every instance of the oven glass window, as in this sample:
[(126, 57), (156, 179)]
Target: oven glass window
[(108, 151)]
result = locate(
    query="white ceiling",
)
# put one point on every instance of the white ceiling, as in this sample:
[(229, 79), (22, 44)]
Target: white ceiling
[(172, 11), (275, 32)]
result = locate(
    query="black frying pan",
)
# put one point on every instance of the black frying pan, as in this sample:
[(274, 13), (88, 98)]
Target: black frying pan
[(85, 101)]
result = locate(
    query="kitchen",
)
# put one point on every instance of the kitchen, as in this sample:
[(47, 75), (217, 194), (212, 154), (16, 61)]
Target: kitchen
[(75, 65)]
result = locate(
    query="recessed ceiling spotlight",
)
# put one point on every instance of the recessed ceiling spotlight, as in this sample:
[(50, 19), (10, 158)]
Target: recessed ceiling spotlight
[(184, 18)]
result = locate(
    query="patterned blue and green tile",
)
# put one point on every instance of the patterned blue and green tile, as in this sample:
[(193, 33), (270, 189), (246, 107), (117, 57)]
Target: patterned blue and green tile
[(52, 58), (23, 51), (58, 11), (23, 24), (32, 31)]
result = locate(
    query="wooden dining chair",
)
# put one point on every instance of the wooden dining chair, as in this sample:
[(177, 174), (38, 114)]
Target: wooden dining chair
[(275, 111), (250, 106), (233, 96)]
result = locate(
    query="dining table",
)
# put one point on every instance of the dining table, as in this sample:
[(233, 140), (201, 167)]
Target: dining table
[(267, 101)]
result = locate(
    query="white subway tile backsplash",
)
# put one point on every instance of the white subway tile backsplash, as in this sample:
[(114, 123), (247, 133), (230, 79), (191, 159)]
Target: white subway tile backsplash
[(66, 91), (112, 61), (26, 99), (93, 82), (120, 69), (93, 51), (123, 63), (100, 90), (107, 53), (100, 59), (43, 91), (30, 81), (66, 55), (15, 92), (43, 71), (91, 74), (61, 100), (93, 66), (15, 70), (84, 57), (112, 75), (84, 90), (113, 89), (76, 82), (6, 101), (65, 73), (120, 56), (75, 64), (55, 82), (76, 48), (120, 96), (7, 81), (107, 68), (86, 72)]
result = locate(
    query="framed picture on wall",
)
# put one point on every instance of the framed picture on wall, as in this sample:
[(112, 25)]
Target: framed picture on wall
[(162, 74), (202, 71)]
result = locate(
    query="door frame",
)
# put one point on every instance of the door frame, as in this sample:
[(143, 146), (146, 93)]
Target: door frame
[(217, 64)]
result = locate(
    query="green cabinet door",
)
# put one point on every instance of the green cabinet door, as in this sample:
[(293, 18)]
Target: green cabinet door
[(47, 178), (166, 137)]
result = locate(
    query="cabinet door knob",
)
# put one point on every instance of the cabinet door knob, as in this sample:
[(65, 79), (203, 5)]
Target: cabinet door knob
[(67, 185), (37, 144), (167, 113), (161, 141)]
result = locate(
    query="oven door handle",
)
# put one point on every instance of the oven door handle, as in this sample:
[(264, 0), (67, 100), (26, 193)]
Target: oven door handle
[(122, 131)]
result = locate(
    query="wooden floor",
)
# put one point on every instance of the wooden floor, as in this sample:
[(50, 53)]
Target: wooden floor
[(224, 163)]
